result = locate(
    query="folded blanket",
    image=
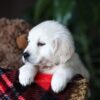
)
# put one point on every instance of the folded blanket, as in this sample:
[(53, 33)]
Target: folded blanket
[(11, 89)]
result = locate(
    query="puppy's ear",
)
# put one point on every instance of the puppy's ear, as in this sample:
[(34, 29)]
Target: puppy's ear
[(63, 48)]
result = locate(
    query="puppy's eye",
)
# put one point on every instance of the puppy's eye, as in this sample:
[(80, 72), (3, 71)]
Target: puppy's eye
[(40, 44)]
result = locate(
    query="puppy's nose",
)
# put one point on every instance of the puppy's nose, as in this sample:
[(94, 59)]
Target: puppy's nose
[(26, 55)]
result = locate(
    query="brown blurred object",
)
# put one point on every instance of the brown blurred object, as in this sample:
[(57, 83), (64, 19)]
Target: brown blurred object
[(22, 41), (10, 53), (77, 89)]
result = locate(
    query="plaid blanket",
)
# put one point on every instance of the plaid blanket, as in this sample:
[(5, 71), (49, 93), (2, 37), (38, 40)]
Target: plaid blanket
[(11, 89)]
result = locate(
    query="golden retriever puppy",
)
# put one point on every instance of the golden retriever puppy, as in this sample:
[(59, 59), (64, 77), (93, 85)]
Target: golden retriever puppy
[(51, 50)]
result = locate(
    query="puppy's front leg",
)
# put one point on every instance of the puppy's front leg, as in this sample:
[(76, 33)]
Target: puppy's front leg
[(61, 78), (26, 74)]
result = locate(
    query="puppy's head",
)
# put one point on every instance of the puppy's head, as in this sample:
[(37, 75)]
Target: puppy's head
[(49, 43)]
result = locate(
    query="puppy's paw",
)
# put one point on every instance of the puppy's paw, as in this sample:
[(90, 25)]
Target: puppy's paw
[(25, 76), (58, 84)]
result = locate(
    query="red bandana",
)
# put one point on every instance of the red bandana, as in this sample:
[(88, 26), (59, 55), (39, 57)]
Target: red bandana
[(43, 80)]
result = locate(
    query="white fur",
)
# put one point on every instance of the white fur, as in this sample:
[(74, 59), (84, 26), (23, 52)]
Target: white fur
[(58, 54), (27, 74)]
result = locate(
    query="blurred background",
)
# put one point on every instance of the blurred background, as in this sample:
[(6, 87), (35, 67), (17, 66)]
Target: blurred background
[(82, 17)]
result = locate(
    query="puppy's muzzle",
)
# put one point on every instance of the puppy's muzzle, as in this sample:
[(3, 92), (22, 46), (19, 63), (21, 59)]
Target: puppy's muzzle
[(26, 55)]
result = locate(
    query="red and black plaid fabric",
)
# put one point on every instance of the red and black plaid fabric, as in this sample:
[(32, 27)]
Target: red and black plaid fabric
[(11, 89)]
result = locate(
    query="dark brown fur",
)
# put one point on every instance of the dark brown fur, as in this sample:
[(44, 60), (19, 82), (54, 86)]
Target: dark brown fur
[(10, 54)]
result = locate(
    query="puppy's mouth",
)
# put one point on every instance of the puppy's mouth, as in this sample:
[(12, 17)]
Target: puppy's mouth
[(41, 64), (45, 62), (44, 68), (29, 61)]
